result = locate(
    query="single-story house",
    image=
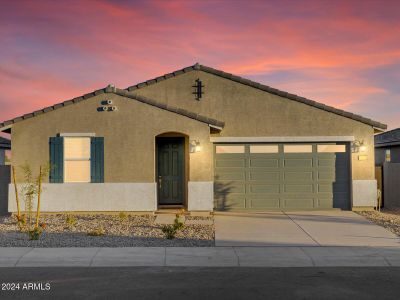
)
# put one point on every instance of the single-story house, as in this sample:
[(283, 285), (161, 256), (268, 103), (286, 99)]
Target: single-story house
[(387, 162), (5, 145), (200, 139)]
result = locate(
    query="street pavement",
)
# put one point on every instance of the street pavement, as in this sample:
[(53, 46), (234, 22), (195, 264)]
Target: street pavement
[(202, 283)]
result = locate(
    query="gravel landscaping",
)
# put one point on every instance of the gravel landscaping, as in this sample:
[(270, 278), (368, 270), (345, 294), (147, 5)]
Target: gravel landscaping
[(126, 231), (388, 218)]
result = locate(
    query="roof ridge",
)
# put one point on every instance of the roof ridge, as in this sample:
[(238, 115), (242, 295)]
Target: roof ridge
[(121, 92), (262, 87), (210, 70)]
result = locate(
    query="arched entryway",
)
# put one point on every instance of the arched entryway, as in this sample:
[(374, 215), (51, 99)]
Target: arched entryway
[(172, 165)]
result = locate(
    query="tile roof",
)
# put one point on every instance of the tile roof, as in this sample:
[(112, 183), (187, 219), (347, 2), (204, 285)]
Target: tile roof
[(120, 92), (129, 93), (388, 138), (262, 87)]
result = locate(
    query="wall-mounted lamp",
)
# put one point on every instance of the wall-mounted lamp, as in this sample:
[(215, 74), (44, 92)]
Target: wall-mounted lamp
[(358, 146), (194, 146)]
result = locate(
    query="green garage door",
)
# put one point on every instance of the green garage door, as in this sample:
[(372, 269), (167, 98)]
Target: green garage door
[(281, 176)]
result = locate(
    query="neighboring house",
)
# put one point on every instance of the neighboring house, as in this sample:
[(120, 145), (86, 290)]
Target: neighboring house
[(387, 147), (201, 139), (5, 145), (387, 161)]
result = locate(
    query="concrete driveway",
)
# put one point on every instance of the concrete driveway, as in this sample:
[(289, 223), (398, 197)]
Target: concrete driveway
[(306, 228)]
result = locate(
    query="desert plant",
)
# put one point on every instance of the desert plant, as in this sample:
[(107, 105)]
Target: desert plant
[(70, 220), (35, 233), (122, 216), (96, 232), (31, 187), (171, 230)]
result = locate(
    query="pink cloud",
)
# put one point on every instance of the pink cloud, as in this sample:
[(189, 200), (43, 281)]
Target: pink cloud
[(58, 50)]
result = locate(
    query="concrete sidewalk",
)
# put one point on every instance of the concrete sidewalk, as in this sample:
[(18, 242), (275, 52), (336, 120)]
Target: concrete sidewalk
[(201, 257)]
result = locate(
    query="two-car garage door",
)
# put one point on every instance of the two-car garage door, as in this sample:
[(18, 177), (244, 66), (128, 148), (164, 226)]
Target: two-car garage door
[(281, 176)]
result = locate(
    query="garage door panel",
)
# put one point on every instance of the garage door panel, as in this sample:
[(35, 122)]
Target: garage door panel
[(298, 188), (298, 203), (263, 203), (270, 176), (325, 202), (229, 187), (298, 176), (326, 163), (231, 163), (325, 188), (231, 202), (230, 176), (263, 188), (325, 175), (298, 163), (282, 180), (262, 163)]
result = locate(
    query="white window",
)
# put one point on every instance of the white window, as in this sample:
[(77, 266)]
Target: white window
[(297, 148), (264, 149), (331, 148), (77, 159), (229, 149)]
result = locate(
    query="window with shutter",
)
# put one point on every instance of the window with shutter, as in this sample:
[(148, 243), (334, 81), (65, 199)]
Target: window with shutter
[(56, 174)]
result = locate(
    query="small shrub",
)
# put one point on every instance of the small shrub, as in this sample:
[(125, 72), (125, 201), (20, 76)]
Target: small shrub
[(96, 232), (122, 216), (171, 230), (35, 233), (43, 225), (70, 220), (21, 220)]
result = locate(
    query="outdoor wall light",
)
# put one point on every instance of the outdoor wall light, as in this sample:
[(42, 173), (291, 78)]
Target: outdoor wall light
[(358, 146), (194, 146)]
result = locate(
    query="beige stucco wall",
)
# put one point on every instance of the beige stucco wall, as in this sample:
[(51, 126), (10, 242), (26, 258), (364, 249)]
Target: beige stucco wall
[(247, 111), (130, 132), (129, 136)]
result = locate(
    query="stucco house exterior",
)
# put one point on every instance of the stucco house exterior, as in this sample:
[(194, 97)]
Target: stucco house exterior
[(201, 139)]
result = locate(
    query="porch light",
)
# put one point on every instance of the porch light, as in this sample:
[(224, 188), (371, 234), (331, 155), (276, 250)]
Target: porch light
[(194, 146), (358, 146)]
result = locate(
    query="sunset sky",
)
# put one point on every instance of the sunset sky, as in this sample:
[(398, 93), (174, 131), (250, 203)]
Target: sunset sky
[(342, 53)]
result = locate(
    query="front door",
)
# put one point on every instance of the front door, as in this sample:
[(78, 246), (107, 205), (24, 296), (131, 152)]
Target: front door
[(170, 170)]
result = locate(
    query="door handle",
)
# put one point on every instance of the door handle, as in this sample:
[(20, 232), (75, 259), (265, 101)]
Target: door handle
[(159, 182)]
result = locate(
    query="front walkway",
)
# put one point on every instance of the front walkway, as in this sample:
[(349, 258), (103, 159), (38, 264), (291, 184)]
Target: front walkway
[(201, 257), (307, 228)]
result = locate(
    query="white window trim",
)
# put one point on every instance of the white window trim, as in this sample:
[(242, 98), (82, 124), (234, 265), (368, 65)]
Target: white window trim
[(75, 159), (73, 134), (281, 139)]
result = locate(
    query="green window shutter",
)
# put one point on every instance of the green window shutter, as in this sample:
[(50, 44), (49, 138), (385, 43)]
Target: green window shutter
[(56, 160), (97, 159)]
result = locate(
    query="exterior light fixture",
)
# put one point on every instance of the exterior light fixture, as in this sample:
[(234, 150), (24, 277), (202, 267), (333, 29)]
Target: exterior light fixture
[(194, 146), (358, 146)]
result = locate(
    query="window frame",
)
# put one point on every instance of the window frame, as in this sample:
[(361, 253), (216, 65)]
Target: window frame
[(84, 159)]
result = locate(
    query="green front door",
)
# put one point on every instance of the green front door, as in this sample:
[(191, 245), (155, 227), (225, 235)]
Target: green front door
[(170, 170)]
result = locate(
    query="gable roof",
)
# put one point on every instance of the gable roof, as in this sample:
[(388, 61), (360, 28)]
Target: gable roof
[(128, 92), (262, 87), (389, 138), (5, 143), (121, 92)]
